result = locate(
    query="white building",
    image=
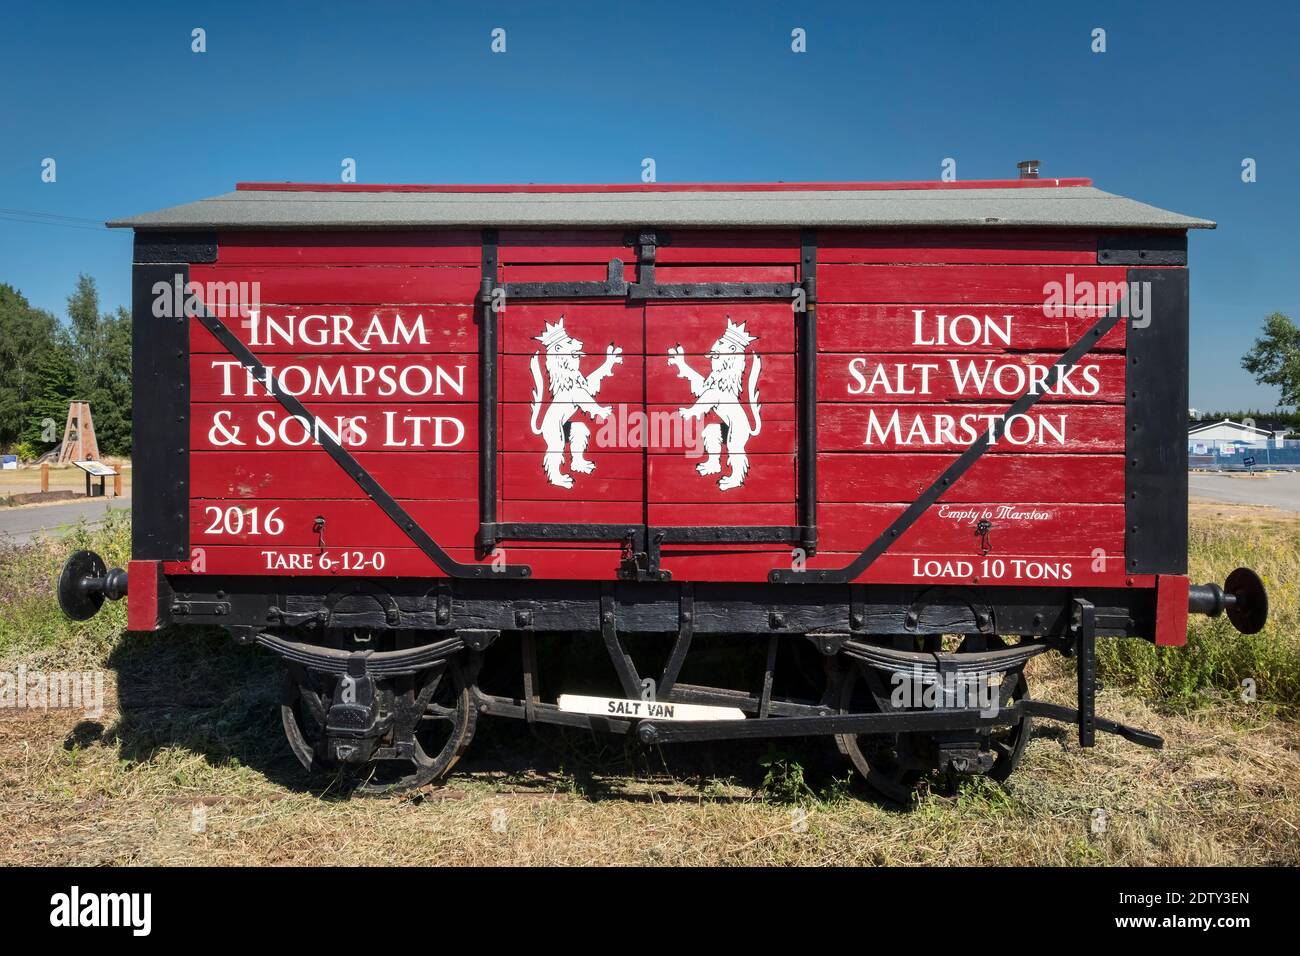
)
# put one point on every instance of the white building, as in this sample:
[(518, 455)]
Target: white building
[(1214, 433)]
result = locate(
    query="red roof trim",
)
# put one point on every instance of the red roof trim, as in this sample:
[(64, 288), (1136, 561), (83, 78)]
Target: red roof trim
[(656, 187)]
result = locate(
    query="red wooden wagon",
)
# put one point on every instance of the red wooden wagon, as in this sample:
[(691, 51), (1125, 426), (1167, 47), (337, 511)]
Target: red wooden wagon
[(911, 434)]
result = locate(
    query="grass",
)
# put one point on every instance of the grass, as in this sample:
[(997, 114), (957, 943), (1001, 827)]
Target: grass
[(27, 479), (1217, 661), (187, 765), (32, 628)]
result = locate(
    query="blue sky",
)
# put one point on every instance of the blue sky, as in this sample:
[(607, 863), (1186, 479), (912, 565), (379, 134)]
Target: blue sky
[(1184, 92)]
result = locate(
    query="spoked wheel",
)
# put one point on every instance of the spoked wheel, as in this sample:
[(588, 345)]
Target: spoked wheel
[(432, 720), (1008, 742), (893, 764)]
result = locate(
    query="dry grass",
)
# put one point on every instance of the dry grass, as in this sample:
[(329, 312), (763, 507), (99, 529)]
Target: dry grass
[(191, 721)]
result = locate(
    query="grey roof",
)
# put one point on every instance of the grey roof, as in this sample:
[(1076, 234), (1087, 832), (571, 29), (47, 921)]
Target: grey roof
[(1037, 206)]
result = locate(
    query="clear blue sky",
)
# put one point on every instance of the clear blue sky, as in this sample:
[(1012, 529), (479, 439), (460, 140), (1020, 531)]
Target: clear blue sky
[(712, 91)]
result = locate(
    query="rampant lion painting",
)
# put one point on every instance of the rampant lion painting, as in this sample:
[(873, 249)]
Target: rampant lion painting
[(571, 391), (720, 393)]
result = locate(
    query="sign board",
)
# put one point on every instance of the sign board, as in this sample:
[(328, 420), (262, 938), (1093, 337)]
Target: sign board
[(645, 709), (1249, 461), (96, 469), (9, 462)]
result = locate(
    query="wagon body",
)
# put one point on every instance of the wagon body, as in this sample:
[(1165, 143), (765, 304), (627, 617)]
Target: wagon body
[(856, 412)]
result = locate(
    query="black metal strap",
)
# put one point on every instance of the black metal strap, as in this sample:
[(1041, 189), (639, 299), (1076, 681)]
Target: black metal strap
[(645, 287), (614, 285), (681, 646), (622, 661), (807, 399), (1085, 627), (445, 562), (487, 395), (953, 472)]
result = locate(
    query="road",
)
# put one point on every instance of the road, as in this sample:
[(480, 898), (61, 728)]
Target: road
[(18, 525), (1280, 490)]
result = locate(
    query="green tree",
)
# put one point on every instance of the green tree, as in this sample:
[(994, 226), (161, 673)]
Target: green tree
[(28, 336), (101, 347), (55, 370), (1274, 359)]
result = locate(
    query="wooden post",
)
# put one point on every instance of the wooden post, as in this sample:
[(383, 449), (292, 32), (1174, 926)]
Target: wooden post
[(117, 485), (45, 476)]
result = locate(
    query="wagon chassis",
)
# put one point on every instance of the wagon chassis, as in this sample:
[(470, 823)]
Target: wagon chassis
[(960, 733), (336, 632)]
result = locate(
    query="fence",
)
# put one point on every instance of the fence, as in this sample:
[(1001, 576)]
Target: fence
[(1232, 455)]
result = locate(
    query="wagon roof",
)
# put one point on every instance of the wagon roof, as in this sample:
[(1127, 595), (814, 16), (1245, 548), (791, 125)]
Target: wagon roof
[(1051, 203)]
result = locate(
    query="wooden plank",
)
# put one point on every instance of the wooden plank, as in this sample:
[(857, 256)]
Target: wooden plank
[(409, 427), (1011, 247), (596, 325), (1057, 428), (350, 248), (1017, 529), (675, 514), (571, 512), (555, 246), (897, 328), (615, 478), (619, 432), (696, 326), (776, 377), (753, 247), (623, 385), (348, 285), (676, 478), (349, 523), (1081, 570), (324, 379), (310, 473), (994, 478), (571, 563), (950, 378), (564, 272), (838, 282), (348, 330), (673, 435)]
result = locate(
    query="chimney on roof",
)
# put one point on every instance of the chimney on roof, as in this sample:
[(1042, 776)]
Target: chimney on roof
[(1028, 169)]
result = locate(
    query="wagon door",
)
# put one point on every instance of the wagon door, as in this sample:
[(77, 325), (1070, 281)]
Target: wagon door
[(722, 406), (572, 403), (648, 410)]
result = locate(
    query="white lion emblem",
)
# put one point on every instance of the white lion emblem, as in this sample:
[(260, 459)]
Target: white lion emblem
[(720, 393), (570, 391)]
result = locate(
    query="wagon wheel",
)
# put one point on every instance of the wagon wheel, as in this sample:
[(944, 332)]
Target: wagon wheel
[(1008, 742), (894, 763), (435, 716)]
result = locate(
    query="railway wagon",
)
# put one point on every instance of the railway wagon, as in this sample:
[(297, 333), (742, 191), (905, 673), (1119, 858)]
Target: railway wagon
[(880, 443)]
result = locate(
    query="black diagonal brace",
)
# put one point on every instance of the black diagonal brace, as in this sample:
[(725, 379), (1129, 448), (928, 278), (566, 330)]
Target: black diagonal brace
[(953, 472), (449, 565)]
